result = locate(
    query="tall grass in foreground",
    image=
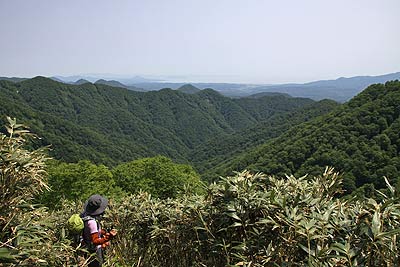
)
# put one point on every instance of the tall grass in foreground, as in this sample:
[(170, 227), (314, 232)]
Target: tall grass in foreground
[(244, 220), (258, 220), (29, 235)]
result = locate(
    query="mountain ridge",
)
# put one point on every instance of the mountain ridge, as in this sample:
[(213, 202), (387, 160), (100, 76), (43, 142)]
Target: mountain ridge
[(341, 89), (166, 122)]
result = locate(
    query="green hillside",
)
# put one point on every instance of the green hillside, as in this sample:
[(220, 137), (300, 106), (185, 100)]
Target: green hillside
[(361, 139), (217, 151), (188, 89), (109, 125)]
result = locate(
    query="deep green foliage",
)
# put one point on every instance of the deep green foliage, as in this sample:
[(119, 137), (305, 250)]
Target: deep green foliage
[(111, 125), (21, 171), (361, 139), (254, 220), (218, 151), (158, 176), (28, 233), (78, 181)]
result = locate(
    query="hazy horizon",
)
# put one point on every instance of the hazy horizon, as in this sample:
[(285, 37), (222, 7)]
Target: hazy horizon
[(232, 41)]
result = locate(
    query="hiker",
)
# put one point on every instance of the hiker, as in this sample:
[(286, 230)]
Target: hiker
[(94, 238)]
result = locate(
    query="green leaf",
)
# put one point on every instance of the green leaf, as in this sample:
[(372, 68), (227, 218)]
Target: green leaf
[(234, 216), (5, 256)]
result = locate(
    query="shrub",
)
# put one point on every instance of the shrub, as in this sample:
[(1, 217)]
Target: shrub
[(30, 235), (256, 220)]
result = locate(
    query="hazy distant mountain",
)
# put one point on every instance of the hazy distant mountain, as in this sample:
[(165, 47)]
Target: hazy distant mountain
[(137, 79), (341, 89), (226, 89), (188, 89), (81, 81), (357, 81), (95, 77)]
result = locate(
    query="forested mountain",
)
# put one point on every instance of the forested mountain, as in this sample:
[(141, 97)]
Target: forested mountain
[(114, 83), (81, 81), (217, 151), (189, 89), (110, 83), (12, 79), (360, 138), (109, 125)]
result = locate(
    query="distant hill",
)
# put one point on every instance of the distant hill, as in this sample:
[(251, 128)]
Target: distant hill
[(356, 82), (111, 124), (226, 89), (361, 139), (111, 83), (118, 84), (81, 81), (341, 89), (94, 77), (188, 89), (13, 79)]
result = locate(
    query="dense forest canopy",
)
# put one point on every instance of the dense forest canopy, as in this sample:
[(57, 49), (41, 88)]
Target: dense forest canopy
[(110, 125), (360, 138)]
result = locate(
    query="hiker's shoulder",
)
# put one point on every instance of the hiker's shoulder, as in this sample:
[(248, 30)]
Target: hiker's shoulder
[(90, 221), (88, 218), (91, 224)]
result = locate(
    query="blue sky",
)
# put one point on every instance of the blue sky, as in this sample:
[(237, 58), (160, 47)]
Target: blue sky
[(258, 41)]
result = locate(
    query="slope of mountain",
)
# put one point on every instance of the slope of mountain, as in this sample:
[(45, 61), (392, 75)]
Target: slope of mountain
[(118, 84), (81, 81), (188, 89), (13, 79), (361, 139), (217, 151), (116, 124), (111, 83), (71, 119), (268, 105)]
